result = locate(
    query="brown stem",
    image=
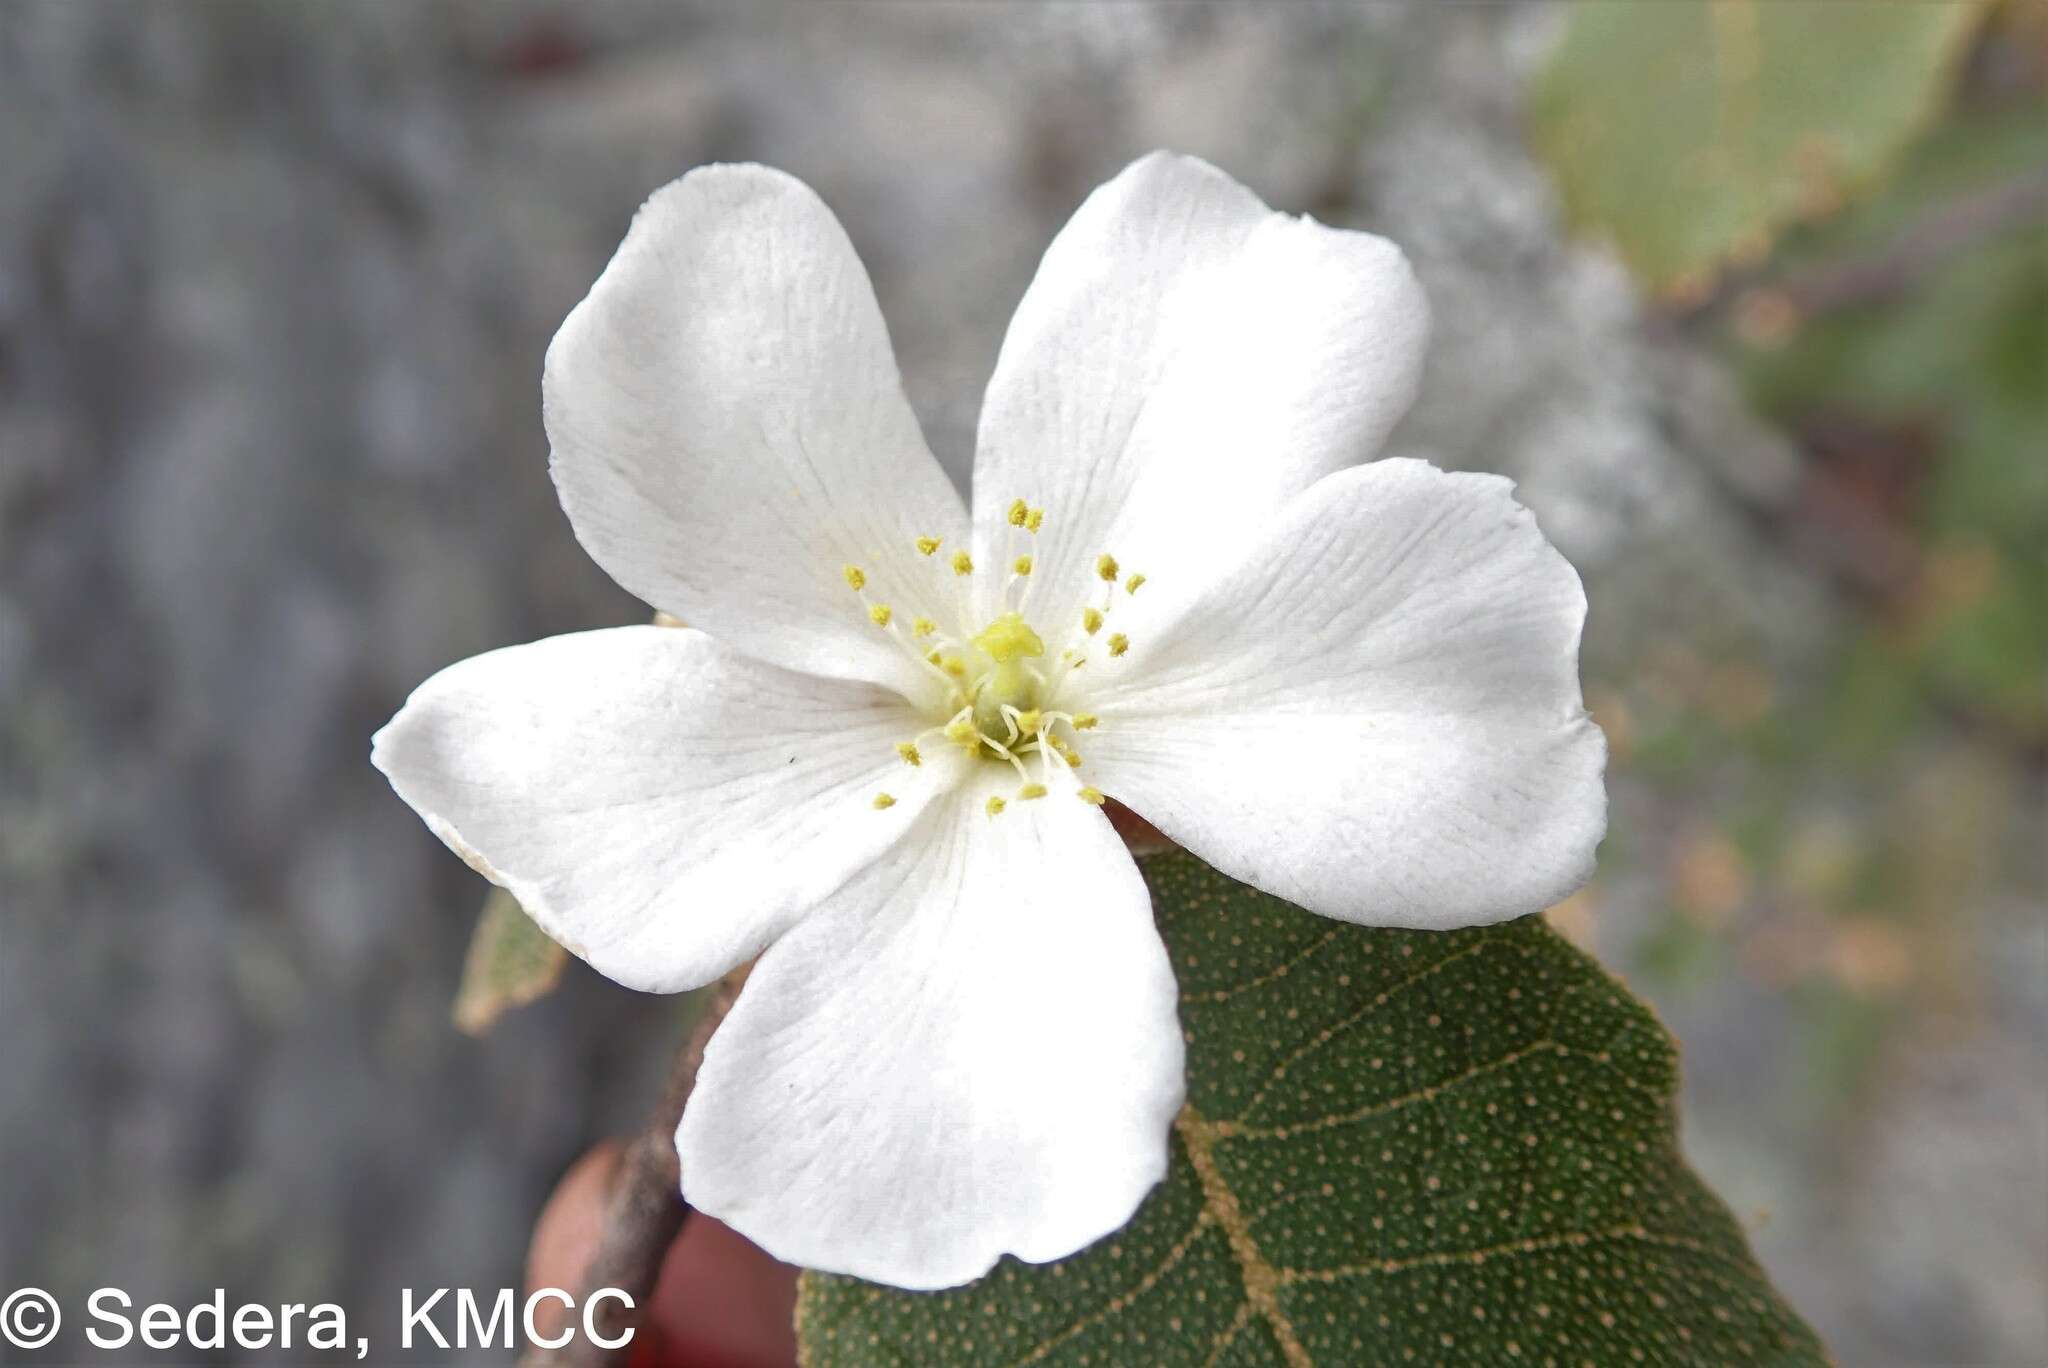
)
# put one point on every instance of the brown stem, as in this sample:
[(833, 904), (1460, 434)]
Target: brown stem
[(1931, 241), (645, 1210)]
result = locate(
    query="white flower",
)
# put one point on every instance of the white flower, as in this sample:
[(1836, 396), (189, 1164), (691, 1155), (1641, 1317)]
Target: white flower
[(876, 756)]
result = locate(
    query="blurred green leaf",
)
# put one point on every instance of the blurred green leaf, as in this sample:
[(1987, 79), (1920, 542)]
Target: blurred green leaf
[(1692, 133), (1872, 704), (1680, 956), (511, 962), (1949, 349), (1399, 1147)]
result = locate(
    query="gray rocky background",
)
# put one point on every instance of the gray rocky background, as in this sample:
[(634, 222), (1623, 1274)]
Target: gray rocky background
[(275, 283)]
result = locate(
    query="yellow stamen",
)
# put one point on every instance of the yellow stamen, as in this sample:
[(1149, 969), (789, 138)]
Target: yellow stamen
[(932, 656), (908, 750), (954, 666), (1131, 584), (963, 564), (883, 800), (1118, 643), (1085, 721), (995, 805), (961, 732), (1029, 721), (1035, 521), (1091, 794), (1066, 753), (1091, 619), (880, 614), (1031, 791), (927, 545), (923, 626), (856, 580), (1105, 566), (1020, 513), (1022, 565)]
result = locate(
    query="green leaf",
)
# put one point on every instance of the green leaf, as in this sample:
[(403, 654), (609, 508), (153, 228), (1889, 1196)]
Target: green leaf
[(1399, 1147), (1690, 133), (511, 962), (1946, 365)]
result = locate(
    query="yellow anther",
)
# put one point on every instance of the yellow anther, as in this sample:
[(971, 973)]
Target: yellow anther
[(1022, 565), (994, 806), (1031, 791), (961, 732), (880, 614), (1066, 752), (1092, 794), (1029, 721), (1020, 513), (927, 545), (1008, 638), (908, 750), (1131, 584), (963, 564), (923, 626), (1105, 566), (883, 800), (1118, 643), (932, 656), (1085, 721), (1035, 521), (954, 666), (1091, 618), (855, 579)]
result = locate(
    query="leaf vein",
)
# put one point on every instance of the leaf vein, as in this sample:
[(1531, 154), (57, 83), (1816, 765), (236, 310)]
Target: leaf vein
[(1574, 1239), (1237, 1130), (1203, 1220), (1379, 1000), (1279, 971), (1261, 1279)]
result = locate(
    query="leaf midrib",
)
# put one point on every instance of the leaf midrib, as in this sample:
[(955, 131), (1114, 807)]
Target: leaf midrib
[(1219, 1201)]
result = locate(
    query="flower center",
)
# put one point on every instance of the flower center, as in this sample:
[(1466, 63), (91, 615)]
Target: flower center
[(1001, 693)]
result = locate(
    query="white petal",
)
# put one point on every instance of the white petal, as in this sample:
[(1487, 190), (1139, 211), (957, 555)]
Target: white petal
[(1376, 715), (646, 792), (729, 431), (975, 1050), (1185, 362)]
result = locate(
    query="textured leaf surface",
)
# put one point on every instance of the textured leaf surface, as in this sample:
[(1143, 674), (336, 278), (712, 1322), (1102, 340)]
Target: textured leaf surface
[(1691, 132), (1399, 1147), (511, 963)]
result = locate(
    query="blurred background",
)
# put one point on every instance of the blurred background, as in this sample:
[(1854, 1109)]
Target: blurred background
[(1751, 299)]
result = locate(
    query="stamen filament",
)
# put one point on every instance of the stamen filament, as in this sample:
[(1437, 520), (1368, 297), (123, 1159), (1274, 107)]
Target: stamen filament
[(1000, 749)]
